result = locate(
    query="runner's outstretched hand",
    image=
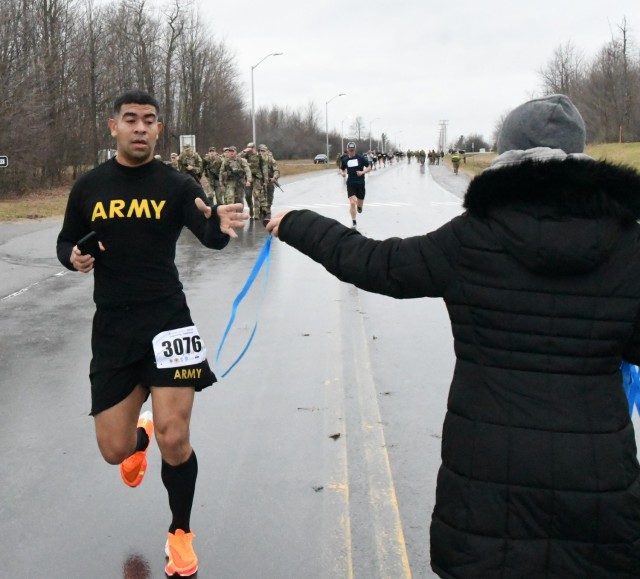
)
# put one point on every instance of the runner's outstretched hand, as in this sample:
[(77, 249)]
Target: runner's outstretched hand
[(274, 223), (230, 216)]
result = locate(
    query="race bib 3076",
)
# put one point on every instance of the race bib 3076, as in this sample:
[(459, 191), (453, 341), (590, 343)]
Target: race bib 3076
[(179, 347)]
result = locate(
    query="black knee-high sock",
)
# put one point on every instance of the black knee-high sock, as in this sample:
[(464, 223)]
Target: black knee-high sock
[(180, 482), (142, 439)]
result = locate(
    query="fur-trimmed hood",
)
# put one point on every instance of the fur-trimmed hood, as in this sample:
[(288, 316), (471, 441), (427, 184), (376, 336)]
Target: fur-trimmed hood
[(590, 188), (557, 217)]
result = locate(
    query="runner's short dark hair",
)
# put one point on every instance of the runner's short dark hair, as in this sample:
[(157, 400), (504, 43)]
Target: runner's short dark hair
[(138, 97)]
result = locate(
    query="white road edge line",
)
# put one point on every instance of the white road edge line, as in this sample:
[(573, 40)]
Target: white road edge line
[(31, 286)]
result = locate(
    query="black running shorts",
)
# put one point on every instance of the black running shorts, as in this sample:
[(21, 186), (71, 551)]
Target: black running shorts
[(356, 189), (154, 344)]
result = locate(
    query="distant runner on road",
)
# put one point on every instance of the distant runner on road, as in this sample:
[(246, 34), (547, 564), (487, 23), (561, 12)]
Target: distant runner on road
[(355, 166)]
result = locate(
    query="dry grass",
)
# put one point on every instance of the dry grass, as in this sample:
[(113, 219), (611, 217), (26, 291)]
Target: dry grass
[(52, 202), (35, 205), (476, 163), (289, 168), (625, 153)]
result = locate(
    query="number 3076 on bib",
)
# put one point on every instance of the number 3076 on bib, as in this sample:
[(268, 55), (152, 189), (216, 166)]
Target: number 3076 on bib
[(179, 347)]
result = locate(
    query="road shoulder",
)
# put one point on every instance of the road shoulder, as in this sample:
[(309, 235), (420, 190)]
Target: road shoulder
[(443, 176)]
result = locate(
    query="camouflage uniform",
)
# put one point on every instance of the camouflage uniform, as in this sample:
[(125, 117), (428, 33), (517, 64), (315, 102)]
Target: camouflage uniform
[(173, 162), (208, 184), (211, 170), (190, 157), (271, 173), (234, 174), (256, 164)]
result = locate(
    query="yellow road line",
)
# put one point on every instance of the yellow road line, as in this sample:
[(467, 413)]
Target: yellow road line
[(392, 551)]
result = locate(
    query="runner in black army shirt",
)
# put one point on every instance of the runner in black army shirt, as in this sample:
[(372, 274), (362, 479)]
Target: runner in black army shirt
[(144, 341)]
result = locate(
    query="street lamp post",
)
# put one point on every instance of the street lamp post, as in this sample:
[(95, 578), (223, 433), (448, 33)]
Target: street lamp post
[(326, 117), (342, 132), (371, 129), (253, 112)]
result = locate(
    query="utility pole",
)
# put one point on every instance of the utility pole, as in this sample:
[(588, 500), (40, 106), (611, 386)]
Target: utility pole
[(326, 117), (443, 134)]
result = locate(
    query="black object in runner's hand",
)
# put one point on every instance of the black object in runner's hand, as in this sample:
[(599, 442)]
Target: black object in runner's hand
[(89, 244)]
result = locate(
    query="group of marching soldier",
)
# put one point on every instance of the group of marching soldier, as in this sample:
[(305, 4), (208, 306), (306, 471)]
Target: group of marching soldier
[(233, 177)]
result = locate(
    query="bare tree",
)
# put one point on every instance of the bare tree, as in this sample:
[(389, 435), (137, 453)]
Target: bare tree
[(357, 127), (62, 62), (192, 55), (174, 27), (496, 130), (474, 142), (20, 114), (629, 96), (564, 72), (605, 100), (144, 31), (224, 119), (606, 90), (293, 134)]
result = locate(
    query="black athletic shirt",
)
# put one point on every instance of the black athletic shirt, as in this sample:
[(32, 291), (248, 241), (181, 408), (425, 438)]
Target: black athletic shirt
[(352, 164), (138, 214)]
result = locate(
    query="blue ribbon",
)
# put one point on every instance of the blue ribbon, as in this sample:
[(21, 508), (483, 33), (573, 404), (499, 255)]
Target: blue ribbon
[(263, 259), (631, 385)]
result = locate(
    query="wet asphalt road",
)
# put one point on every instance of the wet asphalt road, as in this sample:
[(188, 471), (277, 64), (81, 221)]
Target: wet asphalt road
[(318, 453)]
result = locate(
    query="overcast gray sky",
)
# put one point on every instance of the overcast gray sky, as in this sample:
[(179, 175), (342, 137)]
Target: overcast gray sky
[(409, 64)]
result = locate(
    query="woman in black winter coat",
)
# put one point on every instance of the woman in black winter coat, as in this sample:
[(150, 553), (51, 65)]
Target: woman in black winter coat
[(541, 278)]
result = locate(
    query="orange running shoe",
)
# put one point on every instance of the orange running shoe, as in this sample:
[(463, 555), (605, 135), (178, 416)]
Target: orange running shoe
[(133, 468), (182, 559)]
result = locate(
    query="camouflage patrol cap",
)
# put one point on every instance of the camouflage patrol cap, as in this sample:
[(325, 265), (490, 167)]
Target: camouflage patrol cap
[(250, 145), (225, 149), (262, 148), (212, 149), (232, 148), (173, 155), (187, 145)]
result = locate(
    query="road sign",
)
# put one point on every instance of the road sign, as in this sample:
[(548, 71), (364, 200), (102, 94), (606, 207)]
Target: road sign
[(187, 140), (4, 161)]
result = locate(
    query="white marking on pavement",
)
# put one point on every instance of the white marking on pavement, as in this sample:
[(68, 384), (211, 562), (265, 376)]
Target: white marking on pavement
[(342, 205), (30, 287)]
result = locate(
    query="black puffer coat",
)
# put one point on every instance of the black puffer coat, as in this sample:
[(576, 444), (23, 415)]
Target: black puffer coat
[(541, 278)]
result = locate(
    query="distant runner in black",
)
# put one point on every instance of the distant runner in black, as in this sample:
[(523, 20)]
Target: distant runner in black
[(355, 166)]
